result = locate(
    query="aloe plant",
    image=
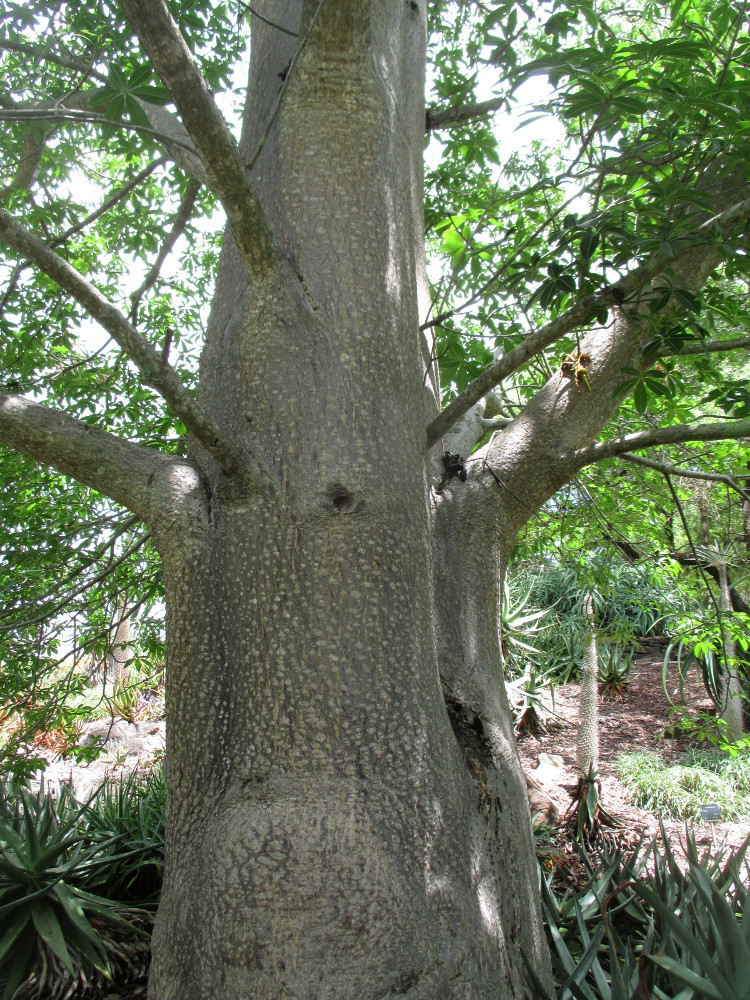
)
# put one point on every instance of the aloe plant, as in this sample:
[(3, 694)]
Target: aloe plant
[(641, 926), (614, 668), (47, 866), (133, 809), (708, 923), (531, 698), (520, 630)]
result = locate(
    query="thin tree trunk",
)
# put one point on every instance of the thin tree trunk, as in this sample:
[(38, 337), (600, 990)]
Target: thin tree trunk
[(587, 738), (732, 704), (122, 654)]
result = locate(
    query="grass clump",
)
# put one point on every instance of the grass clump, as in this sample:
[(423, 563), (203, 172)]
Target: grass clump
[(678, 791)]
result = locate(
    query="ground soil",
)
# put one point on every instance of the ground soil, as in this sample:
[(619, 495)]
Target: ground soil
[(634, 721)]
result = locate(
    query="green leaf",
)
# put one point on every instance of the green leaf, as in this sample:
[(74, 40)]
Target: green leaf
[(14, 929), (703, 986), (21, 958), (687, 299), (640, 397), (589, 243), (49, 930)]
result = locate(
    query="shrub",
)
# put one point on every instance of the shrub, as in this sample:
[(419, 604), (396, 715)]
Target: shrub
[(670, 934), (67, 873)]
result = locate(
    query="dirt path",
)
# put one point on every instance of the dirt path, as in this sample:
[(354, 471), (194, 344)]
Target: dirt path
[(632, 722)]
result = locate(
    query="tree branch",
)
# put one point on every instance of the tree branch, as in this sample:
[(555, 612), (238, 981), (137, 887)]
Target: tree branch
[(577, 316), (178, 227), (207, 128), (715, 431), (448, 117), (154, 369), (700, 348), (43, 52), (677, 470), (129, 473), (167, 130)]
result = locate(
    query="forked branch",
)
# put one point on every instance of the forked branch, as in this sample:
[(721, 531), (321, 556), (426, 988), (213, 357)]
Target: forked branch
[(228, 175), (155, 370), (582, 312)]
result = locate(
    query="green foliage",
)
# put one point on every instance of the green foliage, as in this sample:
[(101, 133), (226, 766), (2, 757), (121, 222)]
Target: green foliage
[(626, 603), (521, 628), (701, 644), (123, 702), (133, 811), (68, 870), (679, 791), (46, 871), (624, 126), (586, 815), (614, 668)]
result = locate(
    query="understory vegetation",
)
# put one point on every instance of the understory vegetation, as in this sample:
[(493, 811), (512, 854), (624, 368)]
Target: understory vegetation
[(678, 791), (79, 882)]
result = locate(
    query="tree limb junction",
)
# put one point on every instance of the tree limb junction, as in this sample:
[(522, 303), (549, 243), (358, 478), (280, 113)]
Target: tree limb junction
[(578, 315), (155, 371), (208, 130)]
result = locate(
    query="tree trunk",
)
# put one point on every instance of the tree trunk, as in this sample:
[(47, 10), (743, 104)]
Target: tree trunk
[(587, 739), (347, 816), (121, 654), (732, 705), (332, 828)]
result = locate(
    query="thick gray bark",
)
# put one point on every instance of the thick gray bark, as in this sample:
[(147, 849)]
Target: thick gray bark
[(331, 833)]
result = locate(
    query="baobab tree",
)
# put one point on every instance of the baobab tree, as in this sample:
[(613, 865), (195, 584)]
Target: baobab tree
[(347, 815)]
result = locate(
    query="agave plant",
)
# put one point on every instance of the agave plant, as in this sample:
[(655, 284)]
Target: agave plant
[(47, 865), (614, 668), (642, 927), (520, 630)]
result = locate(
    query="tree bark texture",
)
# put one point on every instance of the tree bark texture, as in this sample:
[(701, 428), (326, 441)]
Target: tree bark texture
[(334, 830)]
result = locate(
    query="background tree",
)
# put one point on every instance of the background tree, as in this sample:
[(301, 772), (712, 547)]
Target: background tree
[(347, 814)]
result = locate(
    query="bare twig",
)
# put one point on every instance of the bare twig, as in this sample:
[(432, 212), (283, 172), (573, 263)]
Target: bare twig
[(676, 470), (436, 118)]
